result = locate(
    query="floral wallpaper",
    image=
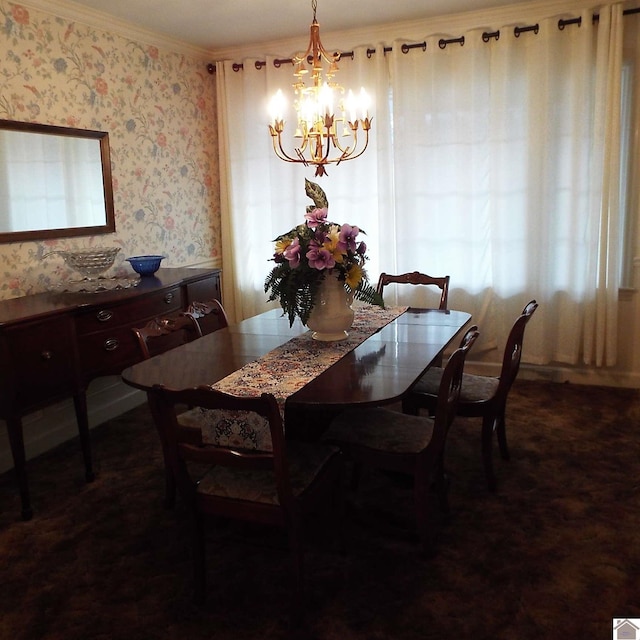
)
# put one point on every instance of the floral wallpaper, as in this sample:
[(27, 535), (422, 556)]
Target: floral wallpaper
[(159, 109)]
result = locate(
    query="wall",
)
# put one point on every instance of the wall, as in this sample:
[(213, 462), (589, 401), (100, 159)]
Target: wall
[(158, 105)]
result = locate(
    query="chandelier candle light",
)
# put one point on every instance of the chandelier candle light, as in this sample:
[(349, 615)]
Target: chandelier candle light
[(320, 129)]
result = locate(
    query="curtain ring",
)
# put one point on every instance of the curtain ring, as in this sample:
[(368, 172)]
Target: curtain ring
[(563, 23), (518, 30)]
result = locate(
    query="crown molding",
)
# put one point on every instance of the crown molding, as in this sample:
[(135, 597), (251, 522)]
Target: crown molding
[(75, 12), (416, 30)]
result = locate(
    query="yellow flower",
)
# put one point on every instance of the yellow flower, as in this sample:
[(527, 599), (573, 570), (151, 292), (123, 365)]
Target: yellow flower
[(331, 244), (354, 276), (282, 244)]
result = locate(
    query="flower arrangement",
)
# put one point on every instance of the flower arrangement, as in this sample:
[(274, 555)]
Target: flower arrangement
[(306, 253)]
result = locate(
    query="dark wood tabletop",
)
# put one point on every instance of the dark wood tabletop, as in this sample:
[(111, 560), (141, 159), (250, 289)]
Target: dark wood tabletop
[(379, 371)]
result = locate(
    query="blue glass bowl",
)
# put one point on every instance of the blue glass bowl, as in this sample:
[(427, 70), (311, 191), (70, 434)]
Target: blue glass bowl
[(145, 265)]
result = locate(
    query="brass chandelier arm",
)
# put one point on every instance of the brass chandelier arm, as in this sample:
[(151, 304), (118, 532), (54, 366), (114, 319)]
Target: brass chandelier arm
[(320, 148)]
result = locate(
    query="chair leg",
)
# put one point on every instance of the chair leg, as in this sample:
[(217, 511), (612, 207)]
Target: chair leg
[(170, 489), (487, 443), (338, 511), (199, 560), (169, 480), (502, 437), (424, 516), (297, 561), (442, 488)]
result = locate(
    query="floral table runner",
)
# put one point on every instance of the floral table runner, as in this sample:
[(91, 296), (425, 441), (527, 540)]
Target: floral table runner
[(289, 367)]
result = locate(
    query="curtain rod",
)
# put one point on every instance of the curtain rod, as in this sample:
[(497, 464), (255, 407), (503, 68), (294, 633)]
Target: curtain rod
[(442, 43)]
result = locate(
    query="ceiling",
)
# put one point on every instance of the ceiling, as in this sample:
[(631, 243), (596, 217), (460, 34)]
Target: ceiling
[(218, 24)]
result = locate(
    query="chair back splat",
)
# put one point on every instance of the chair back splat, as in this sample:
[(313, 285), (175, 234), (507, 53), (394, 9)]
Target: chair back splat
[(209, 315), (279, 486), (415, 277), (164, 333)]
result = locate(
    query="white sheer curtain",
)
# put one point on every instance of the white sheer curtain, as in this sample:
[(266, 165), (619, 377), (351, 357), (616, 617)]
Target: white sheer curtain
[(494, 162)]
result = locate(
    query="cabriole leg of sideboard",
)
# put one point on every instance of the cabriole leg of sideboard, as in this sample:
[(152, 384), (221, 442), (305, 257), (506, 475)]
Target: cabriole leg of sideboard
[(16, 440), (80, 403)]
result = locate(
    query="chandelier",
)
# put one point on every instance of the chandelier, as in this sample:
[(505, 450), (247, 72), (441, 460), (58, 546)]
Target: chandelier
[(328, 121)]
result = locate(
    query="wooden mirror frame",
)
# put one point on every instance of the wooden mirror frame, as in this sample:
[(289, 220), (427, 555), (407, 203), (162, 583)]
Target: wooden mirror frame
[(109, 225)]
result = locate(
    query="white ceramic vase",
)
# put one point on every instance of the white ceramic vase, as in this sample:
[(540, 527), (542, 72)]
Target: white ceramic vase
[(331, 316)]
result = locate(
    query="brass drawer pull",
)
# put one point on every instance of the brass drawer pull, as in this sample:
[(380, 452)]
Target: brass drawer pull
[(168, 298), (111, 344), (104, 315), (46, 355)]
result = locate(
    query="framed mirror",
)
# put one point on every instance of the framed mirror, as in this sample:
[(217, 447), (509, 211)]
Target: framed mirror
[(55, 182)]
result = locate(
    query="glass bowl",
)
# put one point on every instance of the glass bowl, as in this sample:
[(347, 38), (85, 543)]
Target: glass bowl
[(88, 262), (145, 265)]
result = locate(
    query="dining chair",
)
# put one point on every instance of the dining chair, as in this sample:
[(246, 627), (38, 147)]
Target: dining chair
[(482, 396), (278, 487), (209, 315), (164, 333), (415, 278), (410, 445), (156, 337)]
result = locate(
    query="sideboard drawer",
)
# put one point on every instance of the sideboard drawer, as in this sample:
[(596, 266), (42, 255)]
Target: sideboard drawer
[(204, 290), (42, 360), (108, 352), (130, 312)]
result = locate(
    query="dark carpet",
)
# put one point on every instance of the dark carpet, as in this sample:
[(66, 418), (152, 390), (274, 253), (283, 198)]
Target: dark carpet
[(555, 553)]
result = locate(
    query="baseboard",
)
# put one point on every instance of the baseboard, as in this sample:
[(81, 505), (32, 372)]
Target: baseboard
[(595, 377), (107, 398)]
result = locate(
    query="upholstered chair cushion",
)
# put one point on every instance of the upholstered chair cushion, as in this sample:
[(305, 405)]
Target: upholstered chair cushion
[(380, 429), (305, 462), (474, 388), (238, 429)]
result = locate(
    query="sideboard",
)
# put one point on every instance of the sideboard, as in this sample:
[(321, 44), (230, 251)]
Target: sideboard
[(53, 344)]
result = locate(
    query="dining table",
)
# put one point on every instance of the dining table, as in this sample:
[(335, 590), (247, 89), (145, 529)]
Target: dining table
[(384, 355)]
